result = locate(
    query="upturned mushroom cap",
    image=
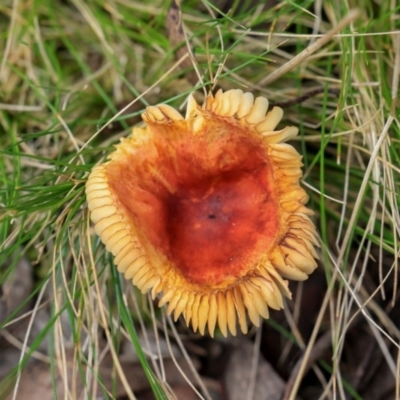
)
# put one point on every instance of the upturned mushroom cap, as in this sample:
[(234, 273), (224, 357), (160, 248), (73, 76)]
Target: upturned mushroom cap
[(207, 210)]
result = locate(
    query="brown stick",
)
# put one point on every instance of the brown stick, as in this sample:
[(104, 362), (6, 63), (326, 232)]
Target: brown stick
[(304, 97), (176, 36)]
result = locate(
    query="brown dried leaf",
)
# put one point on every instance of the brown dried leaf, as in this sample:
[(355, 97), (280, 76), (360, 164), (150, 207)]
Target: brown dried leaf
[(268, 384), (16, 289)]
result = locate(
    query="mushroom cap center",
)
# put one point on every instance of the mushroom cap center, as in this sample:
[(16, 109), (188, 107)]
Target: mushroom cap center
[(216, 228)]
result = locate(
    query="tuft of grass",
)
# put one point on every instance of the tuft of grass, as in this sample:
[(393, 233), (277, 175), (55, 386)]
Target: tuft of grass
[(68, 68)]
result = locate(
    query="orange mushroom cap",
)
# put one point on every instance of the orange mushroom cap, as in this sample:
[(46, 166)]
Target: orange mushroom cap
[(207, 210)]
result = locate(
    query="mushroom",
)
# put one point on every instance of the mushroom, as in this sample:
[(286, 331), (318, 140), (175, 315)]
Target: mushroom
[(206, 211)]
